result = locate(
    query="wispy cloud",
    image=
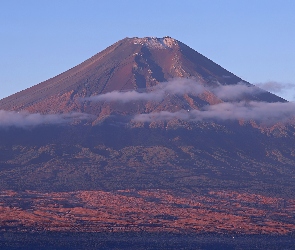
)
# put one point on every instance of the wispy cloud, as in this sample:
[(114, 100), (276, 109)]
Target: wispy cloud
[(276, 87), (263, 112), (259, 111), (129, 96), (231, 92), (178, 86), (26, 119), (156, 93)]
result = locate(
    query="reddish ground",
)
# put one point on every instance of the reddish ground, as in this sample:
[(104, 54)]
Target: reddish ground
[(149, 210)]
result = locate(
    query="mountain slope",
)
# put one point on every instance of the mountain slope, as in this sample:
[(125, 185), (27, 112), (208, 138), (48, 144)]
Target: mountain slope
[(129, 64)]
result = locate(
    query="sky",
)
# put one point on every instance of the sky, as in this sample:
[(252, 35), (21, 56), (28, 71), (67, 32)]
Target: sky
[(254, 39)]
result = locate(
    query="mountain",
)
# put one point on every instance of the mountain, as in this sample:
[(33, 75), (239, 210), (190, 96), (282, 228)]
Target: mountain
[(147, 135), (129, 64)]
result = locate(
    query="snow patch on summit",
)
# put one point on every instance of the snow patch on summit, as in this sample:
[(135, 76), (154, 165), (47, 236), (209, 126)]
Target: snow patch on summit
[(156, 43)]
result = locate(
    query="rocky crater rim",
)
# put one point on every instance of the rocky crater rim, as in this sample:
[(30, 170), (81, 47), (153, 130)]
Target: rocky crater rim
[(155, 43)]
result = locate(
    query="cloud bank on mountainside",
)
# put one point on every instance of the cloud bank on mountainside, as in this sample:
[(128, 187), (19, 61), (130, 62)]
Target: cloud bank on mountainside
[(267, 113), (228, 109), (26, 119), (156, 93), (264, 112), (178, 86)]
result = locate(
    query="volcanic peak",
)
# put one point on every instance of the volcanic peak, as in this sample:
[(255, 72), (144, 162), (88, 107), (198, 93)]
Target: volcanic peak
[(129, 64)]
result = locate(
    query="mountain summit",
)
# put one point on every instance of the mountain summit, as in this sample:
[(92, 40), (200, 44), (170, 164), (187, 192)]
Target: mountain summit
[(137, 64)]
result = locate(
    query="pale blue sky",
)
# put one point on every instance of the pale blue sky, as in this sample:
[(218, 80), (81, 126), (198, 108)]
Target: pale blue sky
[(253, 39)]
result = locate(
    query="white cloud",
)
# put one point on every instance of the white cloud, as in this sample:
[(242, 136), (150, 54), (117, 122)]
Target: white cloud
[(259, 111), (129, 96), (157, 93), (276, 87), (26, 119), (268, 113), (230, 92), (177, 86)]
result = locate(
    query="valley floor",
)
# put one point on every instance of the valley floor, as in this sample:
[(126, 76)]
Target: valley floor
[(152, 211)]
